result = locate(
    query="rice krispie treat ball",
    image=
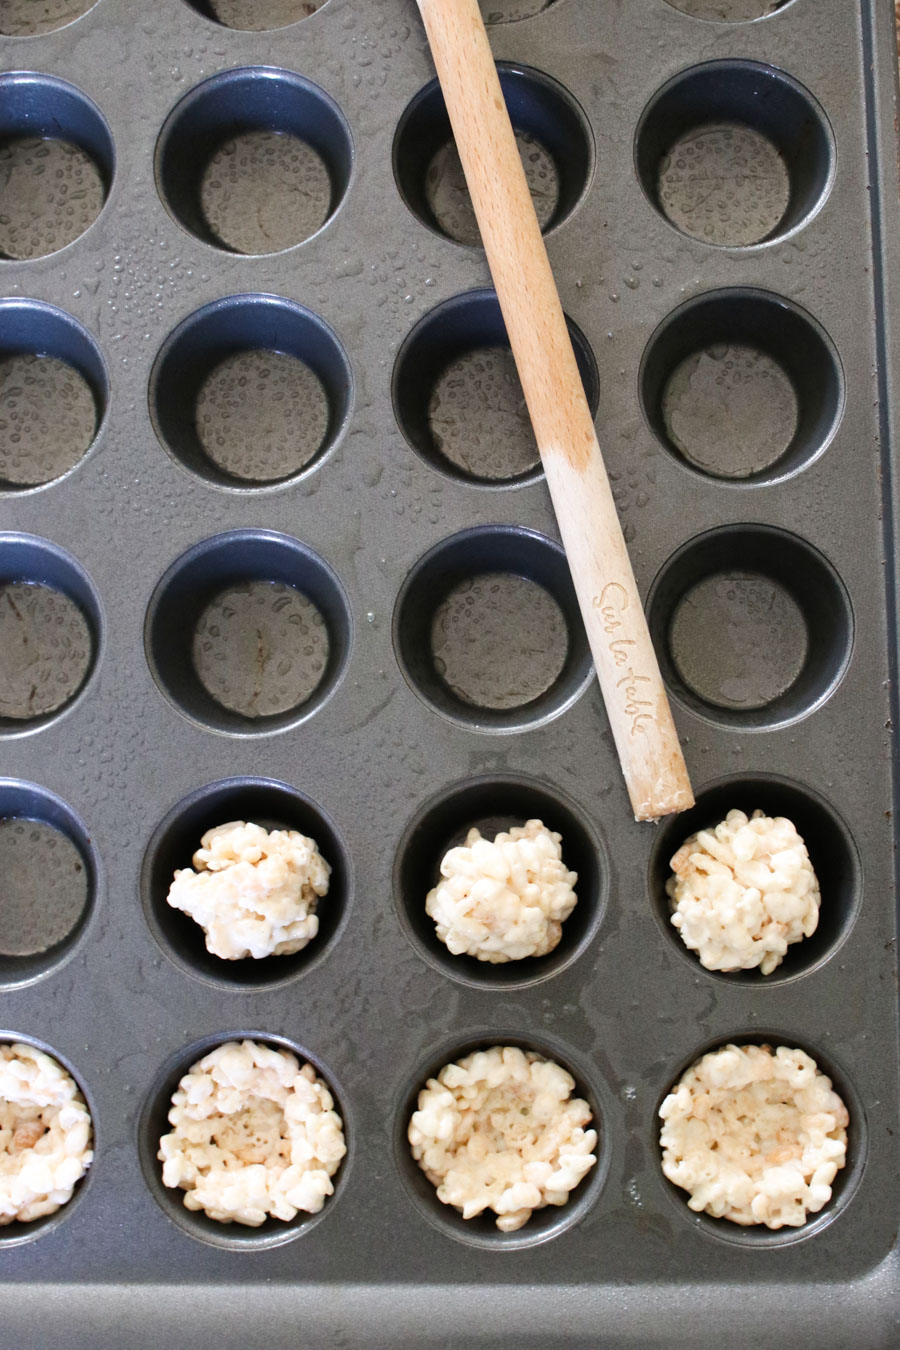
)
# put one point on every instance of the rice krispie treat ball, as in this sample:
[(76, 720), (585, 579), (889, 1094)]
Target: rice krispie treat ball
[(45, 1134), (741, 893), (754, 1135), (503, 900), (255, 1135), (501, 1130), (254, 892)]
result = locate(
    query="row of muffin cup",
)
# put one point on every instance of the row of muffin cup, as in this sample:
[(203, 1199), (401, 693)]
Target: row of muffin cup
[(451, 362), (481, 1232), (783, 124), (241, 16), (246, 16), (489, 803), (458, 607)]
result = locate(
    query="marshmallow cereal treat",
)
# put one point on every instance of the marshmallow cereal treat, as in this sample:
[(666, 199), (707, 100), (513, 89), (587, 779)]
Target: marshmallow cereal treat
[(506, 900), (255, 1135), (254, 892), (45, 1135), (754, 1135), (742, 892), (501, 1131)]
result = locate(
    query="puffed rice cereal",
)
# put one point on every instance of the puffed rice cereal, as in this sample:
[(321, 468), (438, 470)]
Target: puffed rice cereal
[(754, 1135), (503, 900), (501, 1131), (742, 892), (255, 1135), (45, 1135), (254, 892)]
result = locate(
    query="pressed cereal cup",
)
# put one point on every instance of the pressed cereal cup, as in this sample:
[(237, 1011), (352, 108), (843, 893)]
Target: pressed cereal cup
[(153, 1123), (759, 1238)]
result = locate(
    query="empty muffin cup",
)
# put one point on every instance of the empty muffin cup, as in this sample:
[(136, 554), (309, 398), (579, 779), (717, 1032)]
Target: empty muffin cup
[(250, 392), (50, 632), (457, 395), (513, 11), (459, 636), (729, 11), (753, 626), (554, 139), (54, 391), (254, 160), (50, 871), (256, 16), (742, 385), (248, 633), (57, 162), (25, 18), (735, 153)]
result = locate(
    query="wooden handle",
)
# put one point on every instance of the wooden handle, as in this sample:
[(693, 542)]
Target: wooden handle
[(636, 702)]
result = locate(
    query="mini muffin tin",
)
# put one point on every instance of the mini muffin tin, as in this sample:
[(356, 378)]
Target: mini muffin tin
[(323, 589)]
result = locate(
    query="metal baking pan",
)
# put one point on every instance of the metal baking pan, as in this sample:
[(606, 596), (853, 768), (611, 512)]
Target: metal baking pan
[(404, 486)]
